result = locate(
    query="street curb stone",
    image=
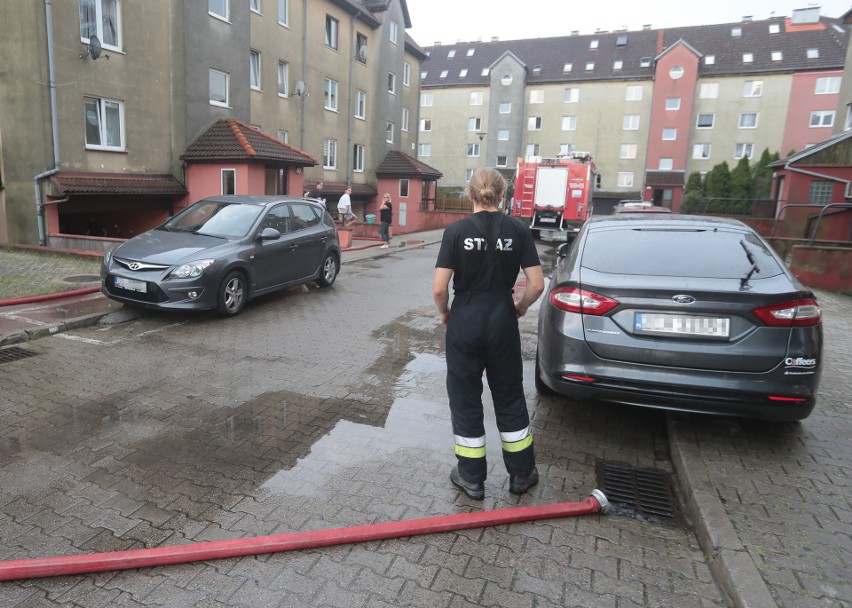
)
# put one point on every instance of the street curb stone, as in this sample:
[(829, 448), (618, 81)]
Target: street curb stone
[(731, 563)]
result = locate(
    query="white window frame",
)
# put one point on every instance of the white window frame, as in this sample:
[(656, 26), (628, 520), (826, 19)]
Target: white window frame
[(567, 67), (701, 151), (502, 160), (360, 104), (451, 53), (474, 124), (425, 125), (743, 120), (505, 107), (103, 108), (590, 66), (393, 32), (698, 124), (426, 100), (424, 150), (358, 158), (743, 150), (463, 73), (753, 88), (222, 181), (631, 122), (503, 134), (709, 59), (821, 116), (390, 132), (254, 70), (212, 72), (777, 55), (617, 65), (473, 150), (87, 27), (708, 90), (669, 134), (571, 95), (330, 99), (633, 93), (391, 83), (223, 13), (672, 103), (332, 32), (665, 164), (536, 96), (404, 188), (254, 6), (284, 13), (329, 153), (812, 53), (403, 125), (476, 98), (444, 74), (468, 174), (534, 123), (283, 136), (406, 74), (827, 85), (284, 79), (625, 179), (628, 151), (569, 123), (748, 57), (533, 149)]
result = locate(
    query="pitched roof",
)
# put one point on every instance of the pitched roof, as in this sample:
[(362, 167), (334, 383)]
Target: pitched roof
[(69, 183), (399, 164), (548, 59), (231, 140)]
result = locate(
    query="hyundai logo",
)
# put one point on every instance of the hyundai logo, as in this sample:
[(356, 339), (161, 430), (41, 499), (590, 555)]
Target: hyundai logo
[(683, 299), (135, 266)]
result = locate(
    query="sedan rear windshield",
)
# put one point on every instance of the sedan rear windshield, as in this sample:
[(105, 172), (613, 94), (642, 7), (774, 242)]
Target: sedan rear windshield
[(711, 253)]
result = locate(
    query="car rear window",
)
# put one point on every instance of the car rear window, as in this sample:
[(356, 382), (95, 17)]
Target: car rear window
[(711, 253)]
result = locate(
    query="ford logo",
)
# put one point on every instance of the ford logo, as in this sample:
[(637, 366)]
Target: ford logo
[(683, 299)]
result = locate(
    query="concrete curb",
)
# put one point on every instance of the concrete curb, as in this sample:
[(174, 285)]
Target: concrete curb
[(732, 565)]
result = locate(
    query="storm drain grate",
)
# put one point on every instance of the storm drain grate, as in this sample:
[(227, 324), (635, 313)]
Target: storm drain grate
[(641, 493), (14, 353)]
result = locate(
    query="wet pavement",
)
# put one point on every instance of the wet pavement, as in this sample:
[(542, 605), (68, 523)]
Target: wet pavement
[(318, 409)]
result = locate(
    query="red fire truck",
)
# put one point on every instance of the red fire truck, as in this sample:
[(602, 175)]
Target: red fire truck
[(554, 194)]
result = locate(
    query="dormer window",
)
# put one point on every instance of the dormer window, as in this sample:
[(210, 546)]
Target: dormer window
[(567, 67), (621, 40), (736, 32), (813, 53), (777, 55), (593, 44), (536, 70), (774, 28), (748, 57), (645, 62), (709, 59), (470, 52), (451, 54)]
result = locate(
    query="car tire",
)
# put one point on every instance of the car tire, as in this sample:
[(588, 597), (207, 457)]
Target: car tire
[(328, 271), (540, 387), (233, 294)]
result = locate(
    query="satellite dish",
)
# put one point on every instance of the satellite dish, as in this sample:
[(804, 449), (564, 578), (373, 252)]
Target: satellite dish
[(362, 53), (94, 47), (300, 88)]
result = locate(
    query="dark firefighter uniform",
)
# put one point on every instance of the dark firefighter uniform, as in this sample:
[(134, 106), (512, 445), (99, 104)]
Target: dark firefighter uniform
[(486, 252)]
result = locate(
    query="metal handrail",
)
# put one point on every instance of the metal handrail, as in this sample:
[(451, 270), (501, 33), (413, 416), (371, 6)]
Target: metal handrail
[(821, 213), (800, 205)]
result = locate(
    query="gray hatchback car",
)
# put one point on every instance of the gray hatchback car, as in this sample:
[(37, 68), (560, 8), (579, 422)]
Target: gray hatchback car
[(678, 312), (222, 251)]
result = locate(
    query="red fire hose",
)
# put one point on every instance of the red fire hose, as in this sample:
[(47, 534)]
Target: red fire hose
[(161, 556)]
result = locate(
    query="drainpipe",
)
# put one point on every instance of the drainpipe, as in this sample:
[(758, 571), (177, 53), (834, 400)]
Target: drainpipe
[(349, 113), (304, 71), (54, 126)]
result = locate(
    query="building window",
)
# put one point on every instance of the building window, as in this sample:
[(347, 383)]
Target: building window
[(752, 88), (748, 120), (360, 104), (701, 151), (254, 70), (709, 59), (634, 93), (534, 123), (774, 28), (506, 80), (284, 12), (361, 48), (820, 192), (673, 103), (743, 151), (565, 149), (813, 53), (631, 122), (393, 31), (474, 124), (444, 73), (822, 118), (425, 125), (533, 149), (403, 188), (219, 9), (468, 173), (473, 150), (330, 93), (705, 121), (358, 158), (501, 161), (537, 96), (625, 179), (569, 123), (476, 98), (645, 62), (777, 55), (451, 53), (590, 66), (571, 96), (329, 154), (621, 40), (848, 124), (254, 6), (426, 100), (283, 78), (470, 52), (389, 132), (617, 64), (424, 150), (505, 107), (503, 134), (567, 67), (463, 73), (827, 84), (423, 74), (676, 73), (219, 88), (104, 119), (536, 70), (748, 57), (593, 44), (669, 134), (485, 72), (332, 29), (283, 136), (666, 164), (391, 83), (101, 18), (736, 32), (709, 90), (628, 151), (406, 74), (228, 181), (403, 126)]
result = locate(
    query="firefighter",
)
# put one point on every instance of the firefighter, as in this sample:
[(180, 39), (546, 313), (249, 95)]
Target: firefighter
[(483, 255)]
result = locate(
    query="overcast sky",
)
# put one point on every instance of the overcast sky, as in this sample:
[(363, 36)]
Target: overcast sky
[(450, 21)]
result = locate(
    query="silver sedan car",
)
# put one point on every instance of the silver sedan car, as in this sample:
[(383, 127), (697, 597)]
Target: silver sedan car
[(223, 251)]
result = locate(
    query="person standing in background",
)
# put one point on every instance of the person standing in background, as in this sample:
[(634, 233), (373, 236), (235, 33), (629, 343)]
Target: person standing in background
[(386, 218), (316, 192), (344, 208)]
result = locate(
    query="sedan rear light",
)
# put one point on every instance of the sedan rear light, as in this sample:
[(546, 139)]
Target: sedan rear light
[(578, 378), (795, 313), (572, 299), (789, 399)]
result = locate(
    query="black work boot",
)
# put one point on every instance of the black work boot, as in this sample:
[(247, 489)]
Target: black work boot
[(476, 491), (518, 484)]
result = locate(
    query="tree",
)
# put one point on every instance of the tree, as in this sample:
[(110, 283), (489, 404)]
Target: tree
[(694, 183), (762, 174), (742, 185), (718, 182)]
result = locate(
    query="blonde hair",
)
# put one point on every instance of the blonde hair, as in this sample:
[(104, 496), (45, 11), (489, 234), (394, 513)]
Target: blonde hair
[(487, 187)]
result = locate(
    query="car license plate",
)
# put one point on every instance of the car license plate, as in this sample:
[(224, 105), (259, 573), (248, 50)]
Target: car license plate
[(131, 284), (548, 220), (685, 325)]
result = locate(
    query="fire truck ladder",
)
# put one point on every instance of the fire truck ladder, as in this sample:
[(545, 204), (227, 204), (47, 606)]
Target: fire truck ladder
[(528, 190)]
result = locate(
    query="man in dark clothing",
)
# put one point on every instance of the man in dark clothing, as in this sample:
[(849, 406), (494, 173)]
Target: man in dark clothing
[(316, 192), (483, 255)]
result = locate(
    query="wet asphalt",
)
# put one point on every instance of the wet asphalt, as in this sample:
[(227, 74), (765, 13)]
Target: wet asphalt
[(318, 409)]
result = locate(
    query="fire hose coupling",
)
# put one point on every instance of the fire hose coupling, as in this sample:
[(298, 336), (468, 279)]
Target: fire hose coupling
[(602, 501)]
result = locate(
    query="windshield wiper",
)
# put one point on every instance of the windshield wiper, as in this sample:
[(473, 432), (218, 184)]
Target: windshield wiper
[(752, 261)]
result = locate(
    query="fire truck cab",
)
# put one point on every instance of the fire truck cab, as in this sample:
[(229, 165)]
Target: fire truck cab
[(554, 195)]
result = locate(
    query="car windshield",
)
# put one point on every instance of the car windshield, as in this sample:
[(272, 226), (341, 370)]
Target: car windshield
[(679, 253), (227, 220)]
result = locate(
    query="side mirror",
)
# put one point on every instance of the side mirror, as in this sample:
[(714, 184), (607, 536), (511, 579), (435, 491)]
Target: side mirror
[(562, 252), (269, 234)]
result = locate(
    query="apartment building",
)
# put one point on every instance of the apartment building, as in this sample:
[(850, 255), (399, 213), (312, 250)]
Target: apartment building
[(651, 106), (100, 100)]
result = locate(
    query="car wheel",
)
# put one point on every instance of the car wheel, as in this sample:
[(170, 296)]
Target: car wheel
[(233, 294), (328, 272), (540, 387)]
